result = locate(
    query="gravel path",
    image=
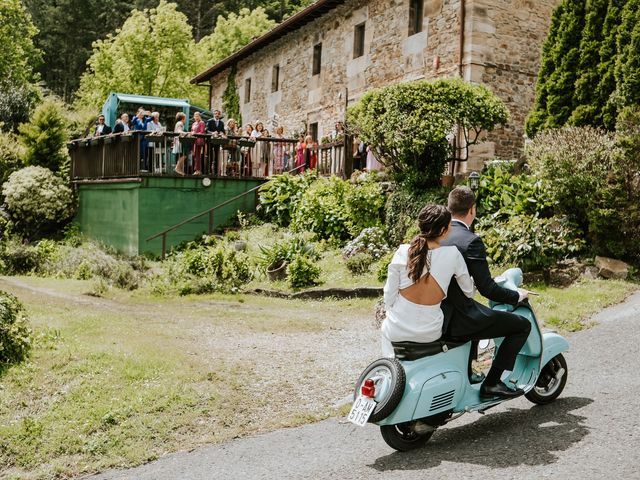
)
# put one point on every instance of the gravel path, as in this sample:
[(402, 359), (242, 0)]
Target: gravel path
[(591, 432)]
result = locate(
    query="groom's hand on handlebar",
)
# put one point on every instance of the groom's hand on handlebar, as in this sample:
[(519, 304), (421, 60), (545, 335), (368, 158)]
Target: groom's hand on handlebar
[(522, 294)]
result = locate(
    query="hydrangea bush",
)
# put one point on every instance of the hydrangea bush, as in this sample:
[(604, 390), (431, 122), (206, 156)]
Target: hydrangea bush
[(371, 241), (36, 199)]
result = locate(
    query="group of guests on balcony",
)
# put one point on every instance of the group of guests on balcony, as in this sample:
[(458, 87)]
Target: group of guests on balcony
[(241, 154)]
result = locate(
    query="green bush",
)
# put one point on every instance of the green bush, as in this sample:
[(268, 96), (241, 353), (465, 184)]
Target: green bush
[(37, 201), (45, 136), (279, 197), (215, 267), (11, 155), (383, 266), (402, 208), (15, 334), (528, 241), (18, 258), (593, 179), (336, 210), (408, 125), (286, 250), (360, 263), (302, 273), (502, 191)]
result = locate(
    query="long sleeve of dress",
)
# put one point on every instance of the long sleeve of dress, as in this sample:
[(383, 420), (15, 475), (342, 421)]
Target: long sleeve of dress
[(463, 277), (392, 287)]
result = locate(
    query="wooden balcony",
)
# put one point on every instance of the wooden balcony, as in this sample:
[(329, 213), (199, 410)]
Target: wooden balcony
[(138, 154)]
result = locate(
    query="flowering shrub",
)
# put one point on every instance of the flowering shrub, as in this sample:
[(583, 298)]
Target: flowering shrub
[(371, 241), (37, 200), (15, 334)]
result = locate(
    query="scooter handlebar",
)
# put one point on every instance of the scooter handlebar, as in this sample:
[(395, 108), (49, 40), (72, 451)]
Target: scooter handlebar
[(510, 279)]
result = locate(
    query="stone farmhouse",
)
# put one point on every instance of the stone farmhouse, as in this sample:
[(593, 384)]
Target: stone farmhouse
[(304, 72)]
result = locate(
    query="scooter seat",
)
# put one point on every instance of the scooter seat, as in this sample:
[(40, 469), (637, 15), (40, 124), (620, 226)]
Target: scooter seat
[(413, 351)]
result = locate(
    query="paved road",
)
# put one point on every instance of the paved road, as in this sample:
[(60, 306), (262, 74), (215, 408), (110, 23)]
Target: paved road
[(591, 432)]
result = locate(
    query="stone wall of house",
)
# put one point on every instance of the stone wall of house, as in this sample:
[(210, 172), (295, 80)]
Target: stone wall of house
[(503, 39), (503, 52)]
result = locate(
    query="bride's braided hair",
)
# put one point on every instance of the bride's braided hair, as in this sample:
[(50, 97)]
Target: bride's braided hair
[(433, 220)]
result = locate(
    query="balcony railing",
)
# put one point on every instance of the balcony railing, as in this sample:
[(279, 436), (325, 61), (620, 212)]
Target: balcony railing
[(143, 153)]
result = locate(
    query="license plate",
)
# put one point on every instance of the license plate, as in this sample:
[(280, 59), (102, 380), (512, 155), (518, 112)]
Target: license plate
[(361, 410)]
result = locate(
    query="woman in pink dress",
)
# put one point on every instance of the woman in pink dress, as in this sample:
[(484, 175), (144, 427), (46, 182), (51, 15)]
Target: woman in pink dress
[(300, 147), (197, 127)]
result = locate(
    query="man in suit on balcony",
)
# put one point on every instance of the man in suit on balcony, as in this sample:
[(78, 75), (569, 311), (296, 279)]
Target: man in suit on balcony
[(101, 127), (216, 127)]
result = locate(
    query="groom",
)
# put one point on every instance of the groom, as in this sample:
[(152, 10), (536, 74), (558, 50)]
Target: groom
[(470, 320)]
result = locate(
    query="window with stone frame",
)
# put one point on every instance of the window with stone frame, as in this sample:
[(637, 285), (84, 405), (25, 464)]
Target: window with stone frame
[(358, 40), (416, 15), (313, 131), (317, 58), (247, 90), (275, 78)]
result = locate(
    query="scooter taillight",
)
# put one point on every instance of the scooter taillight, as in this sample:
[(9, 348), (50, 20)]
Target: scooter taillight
[(368, 388)]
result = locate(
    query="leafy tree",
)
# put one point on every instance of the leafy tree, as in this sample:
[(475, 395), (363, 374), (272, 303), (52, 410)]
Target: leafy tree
[(19, 56), (45, 136), (231, 34), (152, 54), (16, 101), (409, 125), (561, 58)]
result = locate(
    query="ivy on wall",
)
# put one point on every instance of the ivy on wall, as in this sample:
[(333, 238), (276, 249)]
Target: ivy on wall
[(231, 99)]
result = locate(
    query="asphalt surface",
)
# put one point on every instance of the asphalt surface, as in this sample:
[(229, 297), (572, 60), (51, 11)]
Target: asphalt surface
[(591, 432)]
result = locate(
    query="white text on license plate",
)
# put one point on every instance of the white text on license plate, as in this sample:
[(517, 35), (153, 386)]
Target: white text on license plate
[(361, 410)]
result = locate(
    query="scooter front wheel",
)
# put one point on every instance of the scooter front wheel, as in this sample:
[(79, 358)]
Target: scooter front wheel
[(403, 437), (551, 381)]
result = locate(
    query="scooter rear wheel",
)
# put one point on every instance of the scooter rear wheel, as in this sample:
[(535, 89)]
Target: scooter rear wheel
[(403, 438), (390, 382), (551, 381)]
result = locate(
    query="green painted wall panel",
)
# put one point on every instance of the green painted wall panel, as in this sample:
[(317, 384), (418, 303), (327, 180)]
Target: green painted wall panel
[(124, 215), (109, 213)]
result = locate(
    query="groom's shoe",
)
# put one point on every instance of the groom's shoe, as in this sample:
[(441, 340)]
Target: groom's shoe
[(499, 390)]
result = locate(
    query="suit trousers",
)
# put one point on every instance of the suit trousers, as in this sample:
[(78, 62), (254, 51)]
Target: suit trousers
[(515, 330)]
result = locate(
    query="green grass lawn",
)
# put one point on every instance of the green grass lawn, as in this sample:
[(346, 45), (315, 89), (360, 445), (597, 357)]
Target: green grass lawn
[(118, 381)]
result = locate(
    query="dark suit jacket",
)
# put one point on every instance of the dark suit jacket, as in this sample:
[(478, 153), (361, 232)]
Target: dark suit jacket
[(464, 315), (105, 131), (119, 128), (213, 126)]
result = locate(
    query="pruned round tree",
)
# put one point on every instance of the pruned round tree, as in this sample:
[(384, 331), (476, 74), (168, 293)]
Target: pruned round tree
[(410, 126)]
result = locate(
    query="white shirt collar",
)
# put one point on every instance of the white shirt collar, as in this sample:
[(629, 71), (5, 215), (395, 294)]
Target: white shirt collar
[(461, 222)]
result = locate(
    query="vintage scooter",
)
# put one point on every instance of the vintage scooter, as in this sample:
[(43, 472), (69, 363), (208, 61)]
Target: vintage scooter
[(427, 385)]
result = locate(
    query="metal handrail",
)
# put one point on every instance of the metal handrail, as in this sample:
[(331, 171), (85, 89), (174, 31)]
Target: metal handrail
[(210, 211)]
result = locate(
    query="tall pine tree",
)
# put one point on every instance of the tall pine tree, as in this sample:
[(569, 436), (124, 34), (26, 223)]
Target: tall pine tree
[(560, 62), (587, 110), (627, 70), (606, 85)]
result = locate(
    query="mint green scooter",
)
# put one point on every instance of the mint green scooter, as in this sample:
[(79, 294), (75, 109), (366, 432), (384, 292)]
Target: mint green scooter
[(427, 385)]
